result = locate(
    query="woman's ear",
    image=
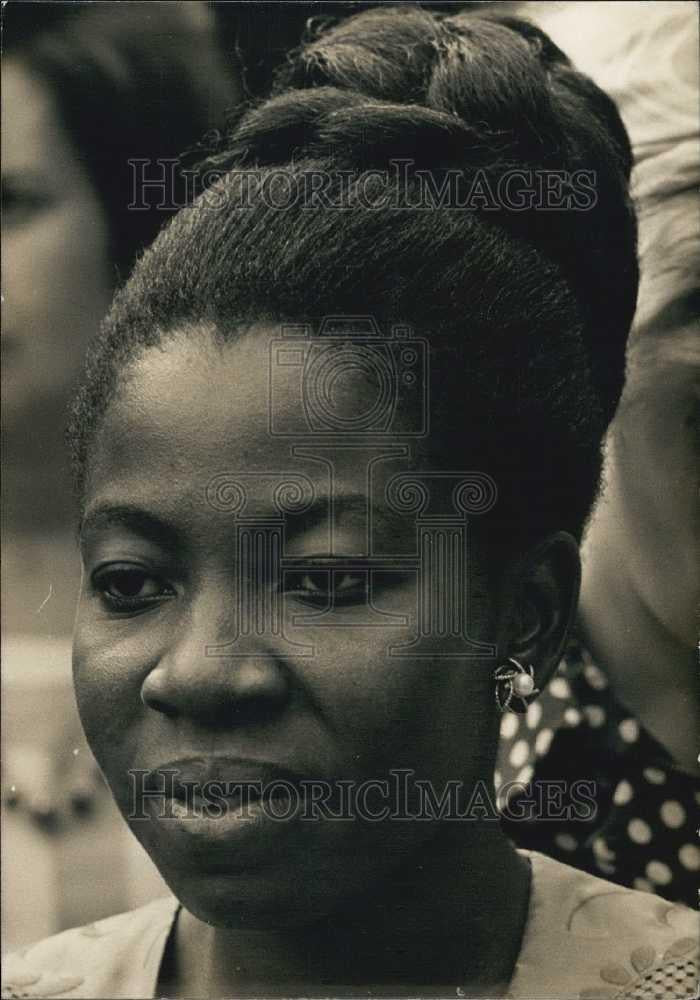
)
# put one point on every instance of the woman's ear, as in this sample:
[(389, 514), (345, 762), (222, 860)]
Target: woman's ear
[(540, 605)]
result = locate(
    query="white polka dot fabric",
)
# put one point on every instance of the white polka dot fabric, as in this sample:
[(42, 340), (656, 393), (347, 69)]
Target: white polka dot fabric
[(639, 827)]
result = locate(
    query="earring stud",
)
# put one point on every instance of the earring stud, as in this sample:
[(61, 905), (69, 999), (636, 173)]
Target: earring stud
[(515, 684)]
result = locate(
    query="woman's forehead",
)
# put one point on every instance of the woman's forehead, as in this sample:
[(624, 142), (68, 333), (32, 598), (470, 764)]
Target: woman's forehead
[(195, 408), (263, 384), (188, 404)]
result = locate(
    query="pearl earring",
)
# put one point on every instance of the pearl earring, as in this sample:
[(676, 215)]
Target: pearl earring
[(514, 685)]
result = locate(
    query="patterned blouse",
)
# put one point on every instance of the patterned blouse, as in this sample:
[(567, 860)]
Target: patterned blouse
[(643, 831), (584, 939)]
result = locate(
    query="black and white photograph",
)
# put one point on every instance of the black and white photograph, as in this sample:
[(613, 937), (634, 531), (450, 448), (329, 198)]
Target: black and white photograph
[(350, 500)]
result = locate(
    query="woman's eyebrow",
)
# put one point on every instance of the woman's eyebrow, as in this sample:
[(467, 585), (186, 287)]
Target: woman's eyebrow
[(134, 519), (348, 509)]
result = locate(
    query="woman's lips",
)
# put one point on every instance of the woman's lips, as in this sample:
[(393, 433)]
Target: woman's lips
[(223, 799), (227, 777)]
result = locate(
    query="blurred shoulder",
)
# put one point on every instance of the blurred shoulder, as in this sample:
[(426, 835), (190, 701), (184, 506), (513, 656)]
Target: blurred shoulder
[(119, 956)]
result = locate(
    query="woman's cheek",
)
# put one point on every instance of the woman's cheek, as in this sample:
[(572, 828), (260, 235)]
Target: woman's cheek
[(108, 671), (391, 711)]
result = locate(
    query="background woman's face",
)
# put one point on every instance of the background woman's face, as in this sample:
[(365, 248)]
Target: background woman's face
[(55, 269), (163, 580), (649, 511)]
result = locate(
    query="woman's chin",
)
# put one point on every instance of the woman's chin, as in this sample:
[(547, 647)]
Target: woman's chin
[(251, 902)]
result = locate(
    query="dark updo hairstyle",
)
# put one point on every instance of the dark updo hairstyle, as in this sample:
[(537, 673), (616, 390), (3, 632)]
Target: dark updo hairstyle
[(129, 80), (526, 312)]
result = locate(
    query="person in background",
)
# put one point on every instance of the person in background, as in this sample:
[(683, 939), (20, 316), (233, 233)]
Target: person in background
[(87, 88), (625, 705)]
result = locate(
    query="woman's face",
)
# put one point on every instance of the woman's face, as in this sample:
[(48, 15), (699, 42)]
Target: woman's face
[(55, 267), (171, 569), (649, 515)]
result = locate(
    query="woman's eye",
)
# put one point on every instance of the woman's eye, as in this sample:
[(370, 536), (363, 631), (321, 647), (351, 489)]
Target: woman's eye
[(20, 206), (328, 587), (130, 588), (350, 581), (312, 584)]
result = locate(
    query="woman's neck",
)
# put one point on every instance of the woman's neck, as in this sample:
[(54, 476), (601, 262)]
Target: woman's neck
[(451, 918)]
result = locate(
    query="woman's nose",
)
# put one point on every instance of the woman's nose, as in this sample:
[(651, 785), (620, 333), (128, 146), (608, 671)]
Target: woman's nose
[(229, 684)]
